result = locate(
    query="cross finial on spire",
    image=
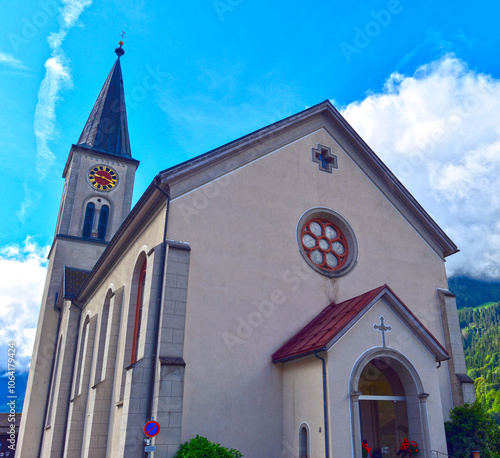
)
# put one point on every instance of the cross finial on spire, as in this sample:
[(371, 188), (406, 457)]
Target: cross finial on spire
[(120, 51)]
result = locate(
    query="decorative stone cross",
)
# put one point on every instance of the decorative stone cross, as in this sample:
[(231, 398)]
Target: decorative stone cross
[(382, 328), (322, 155)]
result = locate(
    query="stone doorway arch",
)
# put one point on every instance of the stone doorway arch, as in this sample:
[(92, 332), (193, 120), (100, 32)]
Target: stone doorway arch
[(411, 391)]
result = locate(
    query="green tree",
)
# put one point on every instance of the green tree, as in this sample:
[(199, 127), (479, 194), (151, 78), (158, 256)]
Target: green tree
[(201, 447), (471, 428)]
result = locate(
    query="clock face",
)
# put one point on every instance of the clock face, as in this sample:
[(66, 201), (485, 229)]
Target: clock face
[(103, 177)]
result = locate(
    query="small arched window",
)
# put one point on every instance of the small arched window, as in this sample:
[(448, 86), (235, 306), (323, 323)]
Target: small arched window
[(303, 442), (138, 312), (89, 220), (103, 222)]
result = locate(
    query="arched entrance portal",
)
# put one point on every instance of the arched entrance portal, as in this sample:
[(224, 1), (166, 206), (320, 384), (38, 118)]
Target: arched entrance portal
[(388, 403), (382, 407)]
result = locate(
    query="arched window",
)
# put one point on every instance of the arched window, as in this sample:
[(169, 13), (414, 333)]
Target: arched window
[(99, 375), (382, 406), (81, 356), (138, 312), (303, 442), (103, 222), (89, 220)]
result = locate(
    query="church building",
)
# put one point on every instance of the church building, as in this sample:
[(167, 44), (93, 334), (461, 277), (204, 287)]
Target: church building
[(283, 295)]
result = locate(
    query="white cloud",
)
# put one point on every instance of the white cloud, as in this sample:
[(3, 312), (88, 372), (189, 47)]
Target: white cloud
[(31, 200), (55, 40), (23, 271), (11, 61), (71, 12), (438, 131), (57, 77)]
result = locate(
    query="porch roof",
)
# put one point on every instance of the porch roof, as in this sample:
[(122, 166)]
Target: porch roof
[(336, 319)]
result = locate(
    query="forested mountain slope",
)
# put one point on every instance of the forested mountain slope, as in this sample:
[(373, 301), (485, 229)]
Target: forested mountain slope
[(471, 292), (480, 325)]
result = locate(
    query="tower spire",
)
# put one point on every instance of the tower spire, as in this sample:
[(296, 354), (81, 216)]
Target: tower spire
[(106, 129)]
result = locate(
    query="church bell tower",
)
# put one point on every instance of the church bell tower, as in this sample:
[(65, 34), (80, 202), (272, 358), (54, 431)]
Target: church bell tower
[(100, 170), (97, 196)]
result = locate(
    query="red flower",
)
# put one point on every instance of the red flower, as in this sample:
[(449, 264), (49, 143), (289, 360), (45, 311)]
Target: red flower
[(408, 448)]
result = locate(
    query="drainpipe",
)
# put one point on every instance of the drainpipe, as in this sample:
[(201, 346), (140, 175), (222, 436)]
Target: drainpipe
[(159, 299), (325, 403)]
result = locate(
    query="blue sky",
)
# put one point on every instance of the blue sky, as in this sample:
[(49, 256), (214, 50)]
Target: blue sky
[(420, 81)]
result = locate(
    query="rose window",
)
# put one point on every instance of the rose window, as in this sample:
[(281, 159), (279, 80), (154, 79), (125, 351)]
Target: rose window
[(324, 243)]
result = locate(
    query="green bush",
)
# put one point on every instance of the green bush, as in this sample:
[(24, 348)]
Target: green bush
[(471, 428), (200, 447)]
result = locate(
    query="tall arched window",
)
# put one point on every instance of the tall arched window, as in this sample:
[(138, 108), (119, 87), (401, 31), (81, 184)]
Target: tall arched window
[(89, 220), (99, 375), (103, 222), (81, 356), (303, 442), (138, 312)]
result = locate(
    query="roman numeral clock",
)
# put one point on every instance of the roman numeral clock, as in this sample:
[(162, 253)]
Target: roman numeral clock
[(103, 177)]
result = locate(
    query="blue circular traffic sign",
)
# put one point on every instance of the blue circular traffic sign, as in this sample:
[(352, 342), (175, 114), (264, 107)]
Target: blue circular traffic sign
[(151, 428)]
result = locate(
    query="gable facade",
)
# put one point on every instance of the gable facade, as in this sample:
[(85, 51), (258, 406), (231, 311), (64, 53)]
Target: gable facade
[(207, 277)]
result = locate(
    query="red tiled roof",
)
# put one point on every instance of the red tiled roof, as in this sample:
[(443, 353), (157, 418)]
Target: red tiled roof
[(323, 328), (335, 318)]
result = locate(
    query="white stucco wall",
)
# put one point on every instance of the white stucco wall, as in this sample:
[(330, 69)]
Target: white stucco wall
[(242, 231), (303, 403)]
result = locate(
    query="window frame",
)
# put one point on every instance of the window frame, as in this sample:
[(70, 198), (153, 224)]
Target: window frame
[(102, 226), (304, 426), (88, 221), (139, 307), (349, 240)]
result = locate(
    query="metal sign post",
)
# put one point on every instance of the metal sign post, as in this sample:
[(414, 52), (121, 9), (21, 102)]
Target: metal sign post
[(151, 429)]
